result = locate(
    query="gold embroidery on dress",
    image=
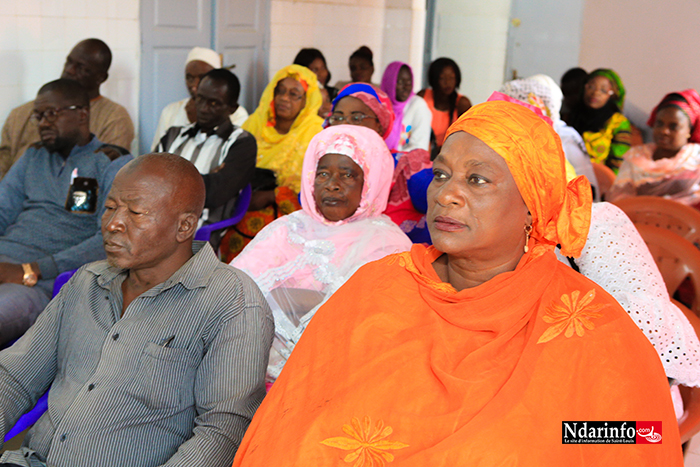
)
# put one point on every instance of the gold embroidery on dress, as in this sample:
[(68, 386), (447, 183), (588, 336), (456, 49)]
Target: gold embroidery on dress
[(575, 316), (368, 443), (405, 261)]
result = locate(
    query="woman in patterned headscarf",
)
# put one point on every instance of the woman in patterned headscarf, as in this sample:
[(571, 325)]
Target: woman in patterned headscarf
[(476, 350), (283, 125), (598, 118), (670, 166), (307, 255)]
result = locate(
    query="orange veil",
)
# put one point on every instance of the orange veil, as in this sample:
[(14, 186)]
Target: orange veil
[(398, 368)]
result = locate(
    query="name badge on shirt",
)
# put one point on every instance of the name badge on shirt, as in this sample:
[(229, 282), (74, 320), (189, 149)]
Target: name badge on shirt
[(82, 196)]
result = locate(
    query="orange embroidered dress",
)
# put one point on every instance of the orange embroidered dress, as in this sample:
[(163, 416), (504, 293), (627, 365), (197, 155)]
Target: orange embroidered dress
[(398, 368)]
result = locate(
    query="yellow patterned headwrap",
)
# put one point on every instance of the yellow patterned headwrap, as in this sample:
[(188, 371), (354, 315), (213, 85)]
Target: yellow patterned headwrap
[(284, 154)]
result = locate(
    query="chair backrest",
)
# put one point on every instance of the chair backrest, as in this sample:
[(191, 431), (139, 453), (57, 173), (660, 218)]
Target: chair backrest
[(241, 207), (665, 213), (605, 176), (676, 258), (60, 281)]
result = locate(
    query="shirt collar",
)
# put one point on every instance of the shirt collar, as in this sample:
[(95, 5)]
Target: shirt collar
[(196, 272), (223, 131)]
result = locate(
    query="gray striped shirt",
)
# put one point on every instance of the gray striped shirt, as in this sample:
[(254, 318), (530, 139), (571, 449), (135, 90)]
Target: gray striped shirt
[(175, 381)]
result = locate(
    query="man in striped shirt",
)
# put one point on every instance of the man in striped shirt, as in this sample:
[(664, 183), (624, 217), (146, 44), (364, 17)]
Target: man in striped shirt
[(222, 152), (156, 356)]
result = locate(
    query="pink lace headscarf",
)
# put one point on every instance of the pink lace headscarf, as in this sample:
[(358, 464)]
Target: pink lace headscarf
[(368, 150)]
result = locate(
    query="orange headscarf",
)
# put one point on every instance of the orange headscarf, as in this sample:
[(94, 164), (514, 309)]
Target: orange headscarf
[(400, 369), (561, 213)]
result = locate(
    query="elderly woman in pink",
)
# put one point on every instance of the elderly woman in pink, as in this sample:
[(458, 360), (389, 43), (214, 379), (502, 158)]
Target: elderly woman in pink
[(300, 259)]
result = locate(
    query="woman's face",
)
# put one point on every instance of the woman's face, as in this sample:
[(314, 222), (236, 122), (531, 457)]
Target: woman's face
[(447, 81), (320, 70), (361, 70), (289, 99), (671, 129), (404, 84), (597, 92), (475, 210), (355, 112), (338, 186)]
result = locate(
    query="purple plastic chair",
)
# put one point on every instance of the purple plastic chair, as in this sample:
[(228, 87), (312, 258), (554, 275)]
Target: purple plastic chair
[(242, 203), (31, 417)]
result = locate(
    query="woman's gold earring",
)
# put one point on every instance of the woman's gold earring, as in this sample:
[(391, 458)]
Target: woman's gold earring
[(528, 229)]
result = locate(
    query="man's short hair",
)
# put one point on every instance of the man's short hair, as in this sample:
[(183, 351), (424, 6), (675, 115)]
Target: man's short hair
[(70, 90), (103, 51), (222, 75)]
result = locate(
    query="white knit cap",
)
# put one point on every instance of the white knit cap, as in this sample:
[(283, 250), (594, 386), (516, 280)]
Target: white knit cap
[(204, 55)]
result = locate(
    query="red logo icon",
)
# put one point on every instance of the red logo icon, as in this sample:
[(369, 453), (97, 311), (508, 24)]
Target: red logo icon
[(648, 432)]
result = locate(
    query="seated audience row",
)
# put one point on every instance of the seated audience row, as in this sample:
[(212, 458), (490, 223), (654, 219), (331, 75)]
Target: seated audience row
[(502, 158), (88, 64), (51, 201), (200, 61)]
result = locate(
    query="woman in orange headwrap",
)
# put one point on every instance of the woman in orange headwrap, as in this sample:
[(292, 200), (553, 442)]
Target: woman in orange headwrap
[(474, 351)]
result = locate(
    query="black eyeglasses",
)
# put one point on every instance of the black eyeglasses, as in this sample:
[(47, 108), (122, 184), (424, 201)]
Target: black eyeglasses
[(51, 114), (354, 119)]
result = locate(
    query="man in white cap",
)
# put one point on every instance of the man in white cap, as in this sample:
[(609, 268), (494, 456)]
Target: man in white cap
[(200, 61)]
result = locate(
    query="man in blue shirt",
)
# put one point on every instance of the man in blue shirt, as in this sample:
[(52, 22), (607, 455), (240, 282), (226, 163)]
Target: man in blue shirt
[(51, 202)]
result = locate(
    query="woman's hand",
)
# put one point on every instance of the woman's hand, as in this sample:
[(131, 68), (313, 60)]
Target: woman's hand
[(261, 199)]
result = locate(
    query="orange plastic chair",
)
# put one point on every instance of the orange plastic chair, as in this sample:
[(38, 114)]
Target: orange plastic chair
[(605, 176), (676, 258), (665, 213), (690, 423)]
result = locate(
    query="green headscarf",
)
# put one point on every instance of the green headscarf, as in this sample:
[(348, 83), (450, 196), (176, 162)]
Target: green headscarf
[(618, 87)]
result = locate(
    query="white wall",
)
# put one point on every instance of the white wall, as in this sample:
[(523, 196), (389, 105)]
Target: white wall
[(393, 29), (652, 45), (36, 36), (474, 33)]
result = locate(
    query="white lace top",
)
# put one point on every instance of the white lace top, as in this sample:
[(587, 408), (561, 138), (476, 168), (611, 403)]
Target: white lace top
[(617, 259)]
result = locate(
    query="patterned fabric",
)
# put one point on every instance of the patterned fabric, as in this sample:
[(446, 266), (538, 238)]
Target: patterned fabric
[(541, 92), (616, 82), (676, 178), (616, 258), (236, 239), (306, 251), (375, 99), (143, 388), (561, 211), (399, 369), (389, 82), (402, 208), (175, 114), (690, 104), (412, 371), (284, 153), (609, 145)]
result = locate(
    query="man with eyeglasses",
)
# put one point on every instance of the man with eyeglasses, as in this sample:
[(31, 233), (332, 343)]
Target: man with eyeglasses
[(51, 202), (222, 152), (88, 64)]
